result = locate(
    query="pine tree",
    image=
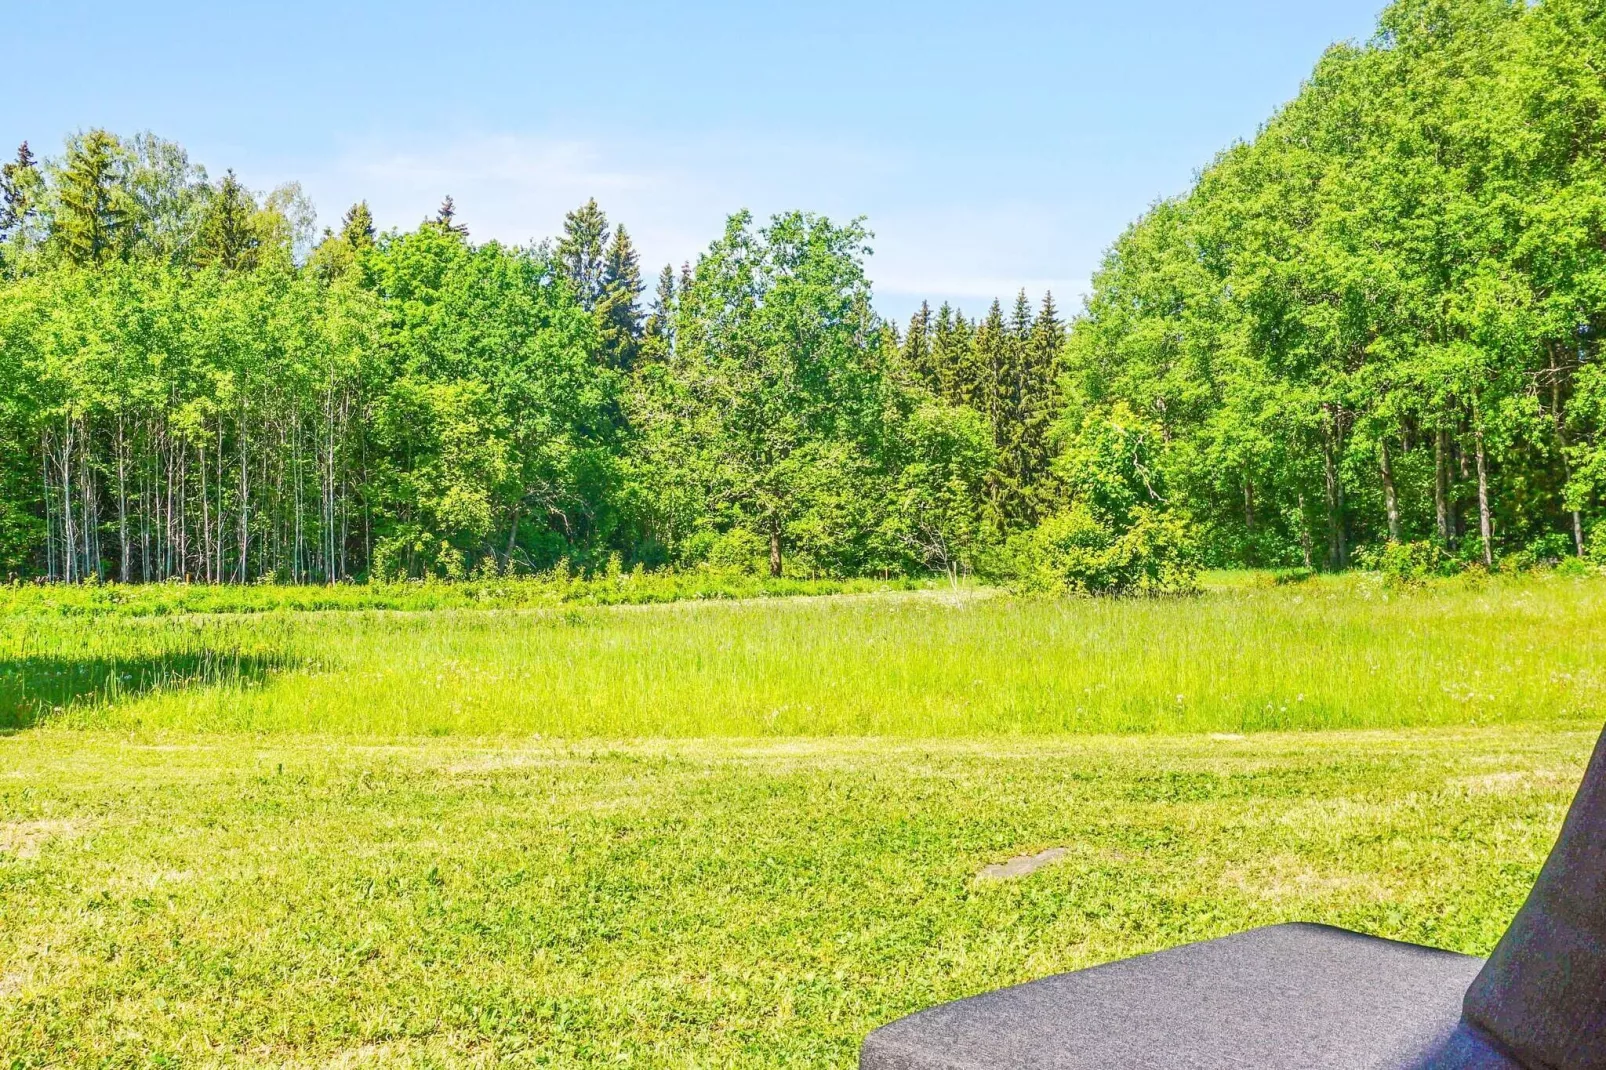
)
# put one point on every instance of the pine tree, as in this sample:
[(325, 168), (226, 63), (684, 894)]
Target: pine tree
[(1011, 379), (1039, 405), (618, 310), (916, 354), (445, 218), (658, 338), (984, 364), (229, 235), (19, 191), (1022, 358), (982, 373), (357, 227), (582, 252), (90, 216), (945, 346)]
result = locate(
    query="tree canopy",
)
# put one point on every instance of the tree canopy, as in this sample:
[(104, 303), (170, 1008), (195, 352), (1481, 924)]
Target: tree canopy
[(1375, 325)]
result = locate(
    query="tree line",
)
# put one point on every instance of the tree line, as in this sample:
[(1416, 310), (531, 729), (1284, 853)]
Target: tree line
[(195, 385), (1378, 322), (1373, 325)]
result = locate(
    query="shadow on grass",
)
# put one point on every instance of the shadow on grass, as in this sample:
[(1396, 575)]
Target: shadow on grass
[(34, 689)]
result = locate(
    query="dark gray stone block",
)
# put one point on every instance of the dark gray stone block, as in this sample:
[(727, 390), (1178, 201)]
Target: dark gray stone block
[(1542, 997), (1288, 997)]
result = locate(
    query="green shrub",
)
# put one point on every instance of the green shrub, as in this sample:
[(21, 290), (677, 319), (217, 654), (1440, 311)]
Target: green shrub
[(1118, 535), (1545, 552), (739, 551), (1074, 551), (1409, 562), (1576, 566), (1595, 544)]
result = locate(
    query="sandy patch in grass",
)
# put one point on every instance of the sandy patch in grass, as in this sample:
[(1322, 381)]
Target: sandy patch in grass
[(1516, 782), (1285, 877), (495, 763), (25, 839), (1021, 865)]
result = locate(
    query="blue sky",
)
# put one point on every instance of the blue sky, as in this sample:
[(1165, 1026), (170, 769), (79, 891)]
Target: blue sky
[(992, 146)]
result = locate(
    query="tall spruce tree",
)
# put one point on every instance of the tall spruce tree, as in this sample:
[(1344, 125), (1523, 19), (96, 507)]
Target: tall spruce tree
[(1041, 403), (917, 355), (985, 364), (357, 227), (950, 347), (229, 236), (20, 186), (583, 252), (1012, 405), (984, 369), (658, 340), (446, 218), (618, 309), (90, 213)]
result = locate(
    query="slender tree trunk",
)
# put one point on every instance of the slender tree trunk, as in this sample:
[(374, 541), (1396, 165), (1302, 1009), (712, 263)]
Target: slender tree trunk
[(124, 556), (145, 505), (206, 517), (170, 561), (185, 565), (245, 502), (1338, 550), (329, 486), (1391, 500), (69, 534), (1304, 530), (91, 503), (50, 509), (1485, 523), (1561, 441), (775, 547), (1441, 484)]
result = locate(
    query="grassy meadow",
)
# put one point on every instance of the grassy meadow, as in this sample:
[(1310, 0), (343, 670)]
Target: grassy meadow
[(738, 833), (1345, 653)]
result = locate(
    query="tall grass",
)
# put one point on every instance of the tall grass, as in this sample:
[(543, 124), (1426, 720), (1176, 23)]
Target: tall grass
[(526, 592), (1239, 658)]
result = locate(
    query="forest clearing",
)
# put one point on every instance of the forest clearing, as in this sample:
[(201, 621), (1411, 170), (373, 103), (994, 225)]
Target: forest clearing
[(577, 835), (703, 630)]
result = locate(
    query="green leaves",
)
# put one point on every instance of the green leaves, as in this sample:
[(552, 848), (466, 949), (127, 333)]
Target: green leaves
[(1406, 251), (774, 390)]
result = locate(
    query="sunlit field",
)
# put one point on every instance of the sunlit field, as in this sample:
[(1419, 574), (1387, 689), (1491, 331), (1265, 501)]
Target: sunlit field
[(231, 900), (740, 833), (935, 663)]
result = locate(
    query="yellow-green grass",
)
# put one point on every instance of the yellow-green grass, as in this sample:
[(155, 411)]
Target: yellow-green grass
[(937, 663), (194, 899), (554, 589)]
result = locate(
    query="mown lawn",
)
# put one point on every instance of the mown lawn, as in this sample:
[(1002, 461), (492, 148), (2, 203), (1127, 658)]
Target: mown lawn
[(202, 899), (738, 834)]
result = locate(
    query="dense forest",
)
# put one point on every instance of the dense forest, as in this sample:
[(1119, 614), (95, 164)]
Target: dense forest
[(1380, 320), (1375, 324)]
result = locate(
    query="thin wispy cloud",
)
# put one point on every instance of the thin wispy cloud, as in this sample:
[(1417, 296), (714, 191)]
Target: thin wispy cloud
[(674, 198)]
